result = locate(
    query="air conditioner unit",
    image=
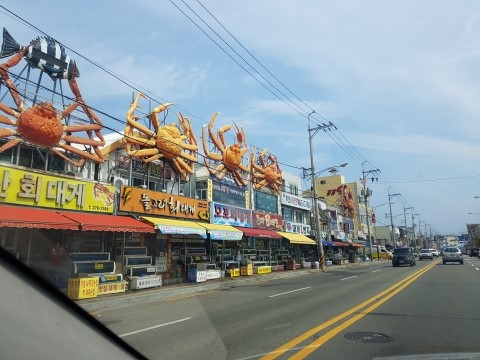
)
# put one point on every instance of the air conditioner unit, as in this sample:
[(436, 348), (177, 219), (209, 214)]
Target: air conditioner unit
[(118, 182)]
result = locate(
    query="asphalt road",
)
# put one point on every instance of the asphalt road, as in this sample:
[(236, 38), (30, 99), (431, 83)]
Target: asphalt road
[(341, 314)]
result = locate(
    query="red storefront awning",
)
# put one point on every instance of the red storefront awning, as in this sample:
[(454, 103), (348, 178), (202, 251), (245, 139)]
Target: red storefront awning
[(259, 232), (338, 243), (21, 216), (98, 222), (356, 245)]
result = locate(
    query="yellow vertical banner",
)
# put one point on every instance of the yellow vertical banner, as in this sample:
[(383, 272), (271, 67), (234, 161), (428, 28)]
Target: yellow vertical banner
[(209, 190)]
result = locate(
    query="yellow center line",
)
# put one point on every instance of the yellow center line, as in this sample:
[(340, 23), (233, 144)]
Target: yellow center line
[(324, 338), (301, 338)]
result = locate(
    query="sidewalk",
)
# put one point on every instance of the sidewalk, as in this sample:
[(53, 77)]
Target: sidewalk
[(145, 296)]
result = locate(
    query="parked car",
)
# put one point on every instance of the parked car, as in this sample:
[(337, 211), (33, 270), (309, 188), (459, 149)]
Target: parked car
[(425, 254), (403, 256), (435, 252), (452, 254), (474, 251)]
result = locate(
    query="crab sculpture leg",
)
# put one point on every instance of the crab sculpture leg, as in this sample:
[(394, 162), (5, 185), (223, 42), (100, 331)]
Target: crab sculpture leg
[(147, 137), (94, 119), (14, 60), (192, 146)]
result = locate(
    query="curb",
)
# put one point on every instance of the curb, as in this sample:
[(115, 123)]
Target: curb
[(147, 296)]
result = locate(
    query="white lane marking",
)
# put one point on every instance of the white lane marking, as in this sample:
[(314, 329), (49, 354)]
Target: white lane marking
[(376, 270), (288, 292), (476, 268), (351, 277), (276, 327), (154, 327)]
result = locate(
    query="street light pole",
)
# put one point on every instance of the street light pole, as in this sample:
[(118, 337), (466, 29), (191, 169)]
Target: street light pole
[(314, 192), (391, 218)]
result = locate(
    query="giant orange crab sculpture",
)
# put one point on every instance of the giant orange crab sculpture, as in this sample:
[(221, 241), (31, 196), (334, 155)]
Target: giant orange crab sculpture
[(163, 142), (226, 159), (266, 171), (348, 203), (40, 124)]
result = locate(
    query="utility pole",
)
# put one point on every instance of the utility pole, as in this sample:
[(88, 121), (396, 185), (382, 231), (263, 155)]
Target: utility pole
[(312, 131), (413, 226), (405, 218), (392, 239), (430, 237), (366, 193)]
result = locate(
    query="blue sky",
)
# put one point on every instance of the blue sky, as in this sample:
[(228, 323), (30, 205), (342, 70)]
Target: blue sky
[(399, 79)]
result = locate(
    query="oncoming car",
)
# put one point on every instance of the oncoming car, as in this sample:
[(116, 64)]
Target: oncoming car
[(425, 254), (434, 252), (452, 254)]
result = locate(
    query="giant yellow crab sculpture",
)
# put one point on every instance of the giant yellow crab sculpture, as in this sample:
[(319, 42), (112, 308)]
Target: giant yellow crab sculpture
[(166, 141), (226, 159), (266, 171)]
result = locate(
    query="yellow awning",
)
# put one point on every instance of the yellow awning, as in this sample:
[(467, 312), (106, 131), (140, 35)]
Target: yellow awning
[(297, 238), (222, 232), (170, 226)]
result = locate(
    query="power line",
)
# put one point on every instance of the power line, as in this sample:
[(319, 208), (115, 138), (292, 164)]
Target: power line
[(339, 139), (438, 179)]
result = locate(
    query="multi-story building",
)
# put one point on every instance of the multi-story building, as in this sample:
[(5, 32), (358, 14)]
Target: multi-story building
[(347, 197), (296, 209)]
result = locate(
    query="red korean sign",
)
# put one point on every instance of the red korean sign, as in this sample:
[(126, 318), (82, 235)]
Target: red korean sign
[(267, 221)]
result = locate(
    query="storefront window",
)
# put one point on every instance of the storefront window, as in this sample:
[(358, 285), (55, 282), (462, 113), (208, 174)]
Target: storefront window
[(25, 157), (287, 214), (55, 163), (266, 202), (8, 155), (228, 195), (299, 217), (39, 159)]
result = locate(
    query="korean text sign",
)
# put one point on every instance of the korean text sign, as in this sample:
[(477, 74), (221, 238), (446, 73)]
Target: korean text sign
[(36, 189)]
